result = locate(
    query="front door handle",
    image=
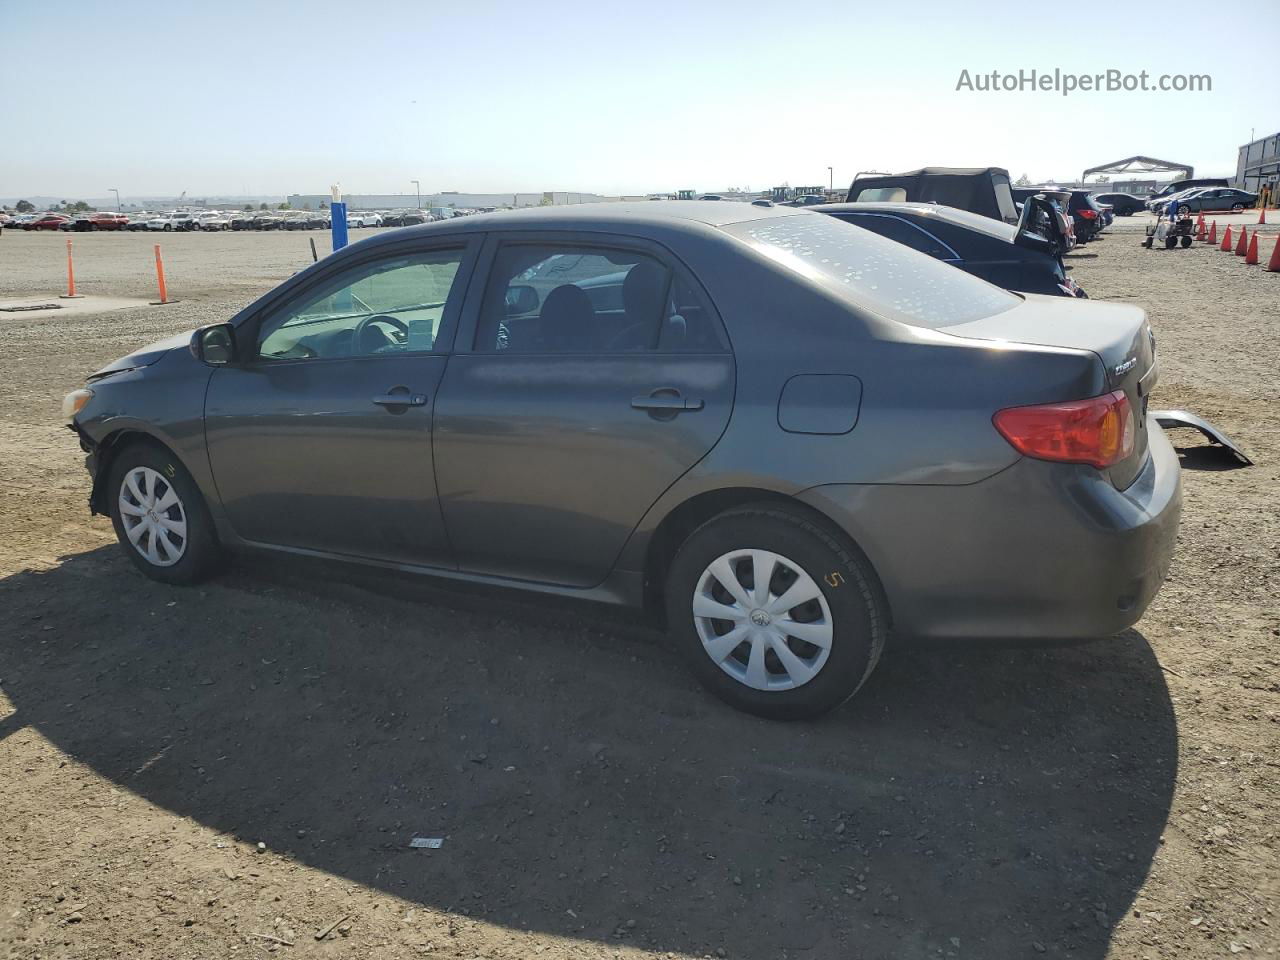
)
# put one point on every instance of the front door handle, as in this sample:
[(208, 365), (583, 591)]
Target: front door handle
[(401, 400)]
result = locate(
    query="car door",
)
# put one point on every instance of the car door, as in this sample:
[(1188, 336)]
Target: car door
[(591, 372), (319, 436)]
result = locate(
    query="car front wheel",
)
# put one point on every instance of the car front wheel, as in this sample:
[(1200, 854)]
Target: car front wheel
[(1237, 207), (774, 613), (160, 517)]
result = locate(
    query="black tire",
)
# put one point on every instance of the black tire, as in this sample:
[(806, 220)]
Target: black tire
[(1170, 242), (201, 553), (1237, 208), (1186, 242), (859, 620)]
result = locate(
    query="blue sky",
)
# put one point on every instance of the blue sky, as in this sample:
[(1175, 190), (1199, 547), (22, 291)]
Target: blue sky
[(242, 97)]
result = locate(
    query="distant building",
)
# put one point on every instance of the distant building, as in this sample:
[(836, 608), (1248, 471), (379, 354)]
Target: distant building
[(1258, 164), (458, 201)]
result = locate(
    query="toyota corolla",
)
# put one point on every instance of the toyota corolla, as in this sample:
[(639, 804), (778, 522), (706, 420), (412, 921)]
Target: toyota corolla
[(786, 434)]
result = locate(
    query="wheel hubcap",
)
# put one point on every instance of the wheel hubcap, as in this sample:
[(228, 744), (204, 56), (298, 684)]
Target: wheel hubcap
[(153, 517), (762, 620)]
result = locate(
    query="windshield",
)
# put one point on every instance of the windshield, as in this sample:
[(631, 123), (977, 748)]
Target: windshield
[(875, 273)]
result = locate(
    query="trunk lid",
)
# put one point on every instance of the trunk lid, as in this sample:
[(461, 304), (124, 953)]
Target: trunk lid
[(1118, 334)]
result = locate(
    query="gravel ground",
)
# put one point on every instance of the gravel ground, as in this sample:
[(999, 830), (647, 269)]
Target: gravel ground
[(237, 769)]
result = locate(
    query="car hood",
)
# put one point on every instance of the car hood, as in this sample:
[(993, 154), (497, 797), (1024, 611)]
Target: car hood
[(144, 357)]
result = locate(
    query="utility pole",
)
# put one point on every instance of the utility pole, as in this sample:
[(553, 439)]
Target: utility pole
[(117, 193), (831, 179), (418, 187)]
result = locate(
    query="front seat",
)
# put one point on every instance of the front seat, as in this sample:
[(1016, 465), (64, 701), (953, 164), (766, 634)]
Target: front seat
[(567, 322)]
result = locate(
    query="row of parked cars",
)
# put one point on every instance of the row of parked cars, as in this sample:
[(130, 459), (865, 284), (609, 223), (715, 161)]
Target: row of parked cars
[(216, 220)]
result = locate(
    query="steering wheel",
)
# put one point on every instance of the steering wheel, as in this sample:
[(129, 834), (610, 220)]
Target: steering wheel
[(398, 338)]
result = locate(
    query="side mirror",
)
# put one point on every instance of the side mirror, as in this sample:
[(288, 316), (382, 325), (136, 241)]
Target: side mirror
[(521, 299), (214, 344)]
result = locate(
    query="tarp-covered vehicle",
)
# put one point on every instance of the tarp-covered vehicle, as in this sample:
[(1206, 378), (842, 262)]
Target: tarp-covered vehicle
[(983, 190)]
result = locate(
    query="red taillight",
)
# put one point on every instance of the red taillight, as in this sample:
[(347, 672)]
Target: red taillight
[(1088, 214), (1098, 431)]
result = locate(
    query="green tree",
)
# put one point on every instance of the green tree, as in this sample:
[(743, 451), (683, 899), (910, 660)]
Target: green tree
[(25, 206), (1022, 181), (248, 206), (283, 206), (262, 206)]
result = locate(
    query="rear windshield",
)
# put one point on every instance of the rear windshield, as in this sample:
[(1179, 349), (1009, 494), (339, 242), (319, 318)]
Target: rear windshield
[(876, 273)]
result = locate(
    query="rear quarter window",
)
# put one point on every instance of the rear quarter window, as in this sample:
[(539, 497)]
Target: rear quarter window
[(881, 195)]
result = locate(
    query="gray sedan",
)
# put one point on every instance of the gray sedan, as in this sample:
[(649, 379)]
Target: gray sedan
[(783, 433)]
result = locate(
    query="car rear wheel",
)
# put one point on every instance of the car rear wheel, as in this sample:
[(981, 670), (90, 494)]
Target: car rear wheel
[(774, 614), (159, 516)]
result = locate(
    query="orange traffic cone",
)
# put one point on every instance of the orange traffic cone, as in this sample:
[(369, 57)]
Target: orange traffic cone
[(1274, 265), (1252, 255), (1213, 232), (1262, 215), (1243, 246), (1200, 221), (1226, 240), (1200, 234)]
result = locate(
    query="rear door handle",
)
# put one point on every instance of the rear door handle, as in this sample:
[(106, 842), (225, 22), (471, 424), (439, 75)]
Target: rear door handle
[(665, 403), (401, 400)]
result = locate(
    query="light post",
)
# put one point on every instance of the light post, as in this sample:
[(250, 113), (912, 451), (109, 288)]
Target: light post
[(418, 187), (117, 193), (831, 179)]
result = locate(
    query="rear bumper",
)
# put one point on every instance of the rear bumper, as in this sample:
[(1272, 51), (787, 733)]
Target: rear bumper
[(1040, 550)]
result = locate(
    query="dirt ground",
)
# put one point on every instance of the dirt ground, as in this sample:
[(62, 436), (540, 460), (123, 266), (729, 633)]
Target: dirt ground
[(237, 770)]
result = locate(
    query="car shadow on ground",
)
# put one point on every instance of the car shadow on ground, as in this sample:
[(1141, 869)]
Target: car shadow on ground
[(989, 801)]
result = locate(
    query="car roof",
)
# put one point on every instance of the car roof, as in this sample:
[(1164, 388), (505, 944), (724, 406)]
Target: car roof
[(965, 219), (622, 216)]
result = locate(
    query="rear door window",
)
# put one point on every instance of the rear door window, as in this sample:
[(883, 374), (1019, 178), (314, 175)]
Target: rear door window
[(581, 298)]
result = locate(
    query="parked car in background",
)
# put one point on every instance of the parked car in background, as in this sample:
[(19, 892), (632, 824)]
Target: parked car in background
[(807, 200), (364, 218), (1158, 207), (905, 444), (19, 221), (982, 190), (138, 221), (393, 218), (241, 221), (1086, 215), (1219, 199), (213, 220), (1177, 186), (1024, 257), (1124, 204), (106, 220), (1061, 203), (178, 220), (46, 221), (1108, 212), (268, 221)]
